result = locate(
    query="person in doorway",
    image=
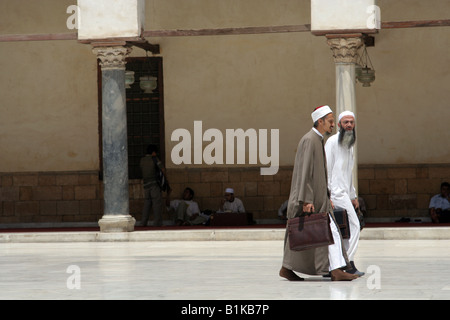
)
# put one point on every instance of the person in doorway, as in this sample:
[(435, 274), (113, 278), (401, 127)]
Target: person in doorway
[(340, 160), (152, 191), (440, 205), (309, 194)]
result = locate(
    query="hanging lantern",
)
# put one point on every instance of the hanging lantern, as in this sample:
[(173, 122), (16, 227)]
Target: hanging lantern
[(367, 76), (148, 83), (364, 71)]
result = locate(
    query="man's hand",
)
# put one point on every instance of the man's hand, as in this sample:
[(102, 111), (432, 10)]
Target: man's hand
[(308, 207), (355, 204)]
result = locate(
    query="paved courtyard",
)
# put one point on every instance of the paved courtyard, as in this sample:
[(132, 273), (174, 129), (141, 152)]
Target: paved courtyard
[(214, 270)]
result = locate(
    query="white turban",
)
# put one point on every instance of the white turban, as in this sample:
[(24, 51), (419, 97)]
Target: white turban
[(229, 190), (346, 113), (320, 112)]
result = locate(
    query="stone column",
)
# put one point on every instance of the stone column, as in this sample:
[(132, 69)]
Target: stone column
[(345, 49), (116, 217)]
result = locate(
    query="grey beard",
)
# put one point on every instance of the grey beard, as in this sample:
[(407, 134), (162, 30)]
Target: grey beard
[(347, 138)]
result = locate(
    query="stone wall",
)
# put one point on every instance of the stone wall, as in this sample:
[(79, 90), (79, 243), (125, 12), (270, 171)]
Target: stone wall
[(390, 192), (394, 191), (50, 197)]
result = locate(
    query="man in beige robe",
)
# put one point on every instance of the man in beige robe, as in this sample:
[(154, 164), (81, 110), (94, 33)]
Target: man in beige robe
[(309, 193)]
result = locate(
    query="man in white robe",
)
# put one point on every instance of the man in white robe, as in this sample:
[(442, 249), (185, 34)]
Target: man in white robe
[(230, 203), (340, 160)]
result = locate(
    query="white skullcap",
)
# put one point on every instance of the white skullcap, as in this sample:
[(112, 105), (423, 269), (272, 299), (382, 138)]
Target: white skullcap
[(229, 190), (346, 113), (320, 112)]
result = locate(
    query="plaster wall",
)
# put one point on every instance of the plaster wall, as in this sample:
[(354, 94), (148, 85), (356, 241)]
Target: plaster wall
[(49, 106)]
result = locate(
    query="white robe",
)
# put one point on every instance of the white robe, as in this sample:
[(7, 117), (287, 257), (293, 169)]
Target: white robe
[(235, 206), (340, 161)]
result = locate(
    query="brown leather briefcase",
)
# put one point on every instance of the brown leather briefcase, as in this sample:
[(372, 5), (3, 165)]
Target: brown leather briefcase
[(309, 231)]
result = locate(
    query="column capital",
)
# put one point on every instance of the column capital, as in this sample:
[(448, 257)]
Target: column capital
[(112, 56), (344, 48)]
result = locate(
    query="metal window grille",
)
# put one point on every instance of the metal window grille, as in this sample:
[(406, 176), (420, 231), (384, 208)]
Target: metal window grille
[(145, 113)]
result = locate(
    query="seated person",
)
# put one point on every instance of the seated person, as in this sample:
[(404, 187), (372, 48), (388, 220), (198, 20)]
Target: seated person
[(231, 203), (440, 205), (186, 210)]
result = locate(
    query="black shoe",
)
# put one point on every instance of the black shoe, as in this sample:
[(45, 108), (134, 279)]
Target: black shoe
[(355, 271)]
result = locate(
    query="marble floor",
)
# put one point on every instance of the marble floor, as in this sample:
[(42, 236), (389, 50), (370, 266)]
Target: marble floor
[(214, 270)]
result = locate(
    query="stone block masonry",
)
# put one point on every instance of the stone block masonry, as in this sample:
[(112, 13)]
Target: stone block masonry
[(50, 197), (390, 192), (395, 191)]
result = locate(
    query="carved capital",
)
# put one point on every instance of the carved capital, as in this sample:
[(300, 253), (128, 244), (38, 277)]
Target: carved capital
[(112, 57), (344, 49)]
